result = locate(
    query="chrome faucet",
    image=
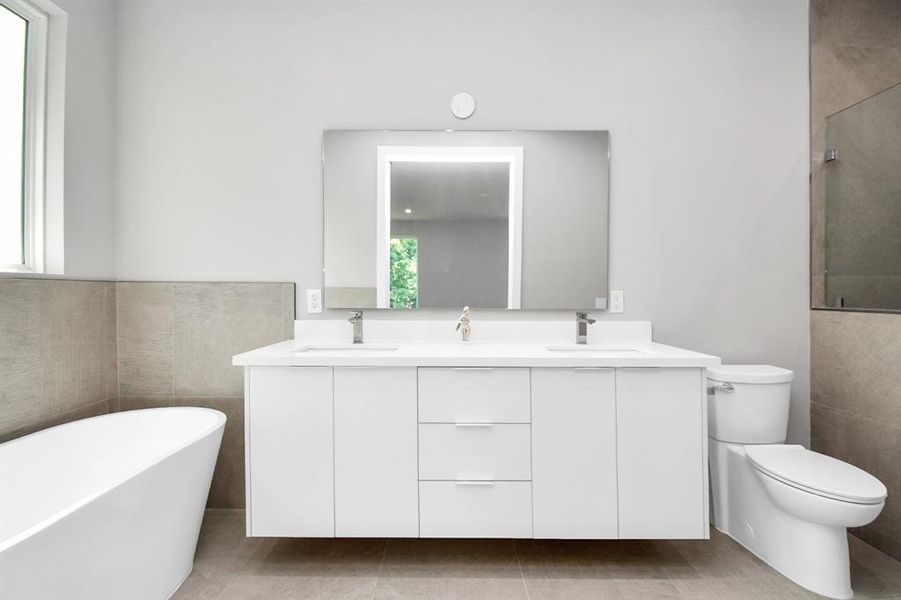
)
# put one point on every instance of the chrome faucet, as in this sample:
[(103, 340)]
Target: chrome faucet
[(582, 323), (356, 319)]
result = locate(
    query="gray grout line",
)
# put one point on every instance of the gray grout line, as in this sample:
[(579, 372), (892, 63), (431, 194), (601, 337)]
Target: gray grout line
[(522, 575), (844, 412), (118, 348), (378, 576), (172, 337)]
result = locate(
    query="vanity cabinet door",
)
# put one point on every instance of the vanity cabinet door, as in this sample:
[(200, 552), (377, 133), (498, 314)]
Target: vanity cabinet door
[(376, 478), (289, 452), (574, 453), (660, 453)]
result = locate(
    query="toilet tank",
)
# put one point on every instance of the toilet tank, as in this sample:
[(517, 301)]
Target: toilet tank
[(748, 404)]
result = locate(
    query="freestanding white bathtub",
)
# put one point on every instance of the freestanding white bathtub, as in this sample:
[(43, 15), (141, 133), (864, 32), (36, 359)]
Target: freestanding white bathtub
[(108, 507)]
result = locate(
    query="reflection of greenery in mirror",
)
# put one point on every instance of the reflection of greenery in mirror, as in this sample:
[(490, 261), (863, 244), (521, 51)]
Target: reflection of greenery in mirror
[(404, 273)]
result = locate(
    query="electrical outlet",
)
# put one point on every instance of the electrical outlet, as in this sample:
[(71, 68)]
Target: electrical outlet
[(314, 301), (616, 301)]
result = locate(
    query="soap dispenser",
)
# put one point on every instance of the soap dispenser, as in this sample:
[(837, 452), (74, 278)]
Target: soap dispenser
[(463, 325)]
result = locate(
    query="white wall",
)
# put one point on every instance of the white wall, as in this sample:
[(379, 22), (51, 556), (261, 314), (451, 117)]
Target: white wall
[(89, 138), (222, 105)]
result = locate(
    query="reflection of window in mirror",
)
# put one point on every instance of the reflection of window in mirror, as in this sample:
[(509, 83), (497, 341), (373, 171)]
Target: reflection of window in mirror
[(404, 272)]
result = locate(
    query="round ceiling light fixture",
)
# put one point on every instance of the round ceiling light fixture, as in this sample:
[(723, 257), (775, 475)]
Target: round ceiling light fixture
[(463, 105)]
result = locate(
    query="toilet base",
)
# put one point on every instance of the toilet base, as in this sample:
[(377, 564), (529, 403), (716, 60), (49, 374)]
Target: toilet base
[(813, 555)]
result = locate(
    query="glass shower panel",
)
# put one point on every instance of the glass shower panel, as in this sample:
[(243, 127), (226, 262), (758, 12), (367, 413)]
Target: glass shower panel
[(863, 204)]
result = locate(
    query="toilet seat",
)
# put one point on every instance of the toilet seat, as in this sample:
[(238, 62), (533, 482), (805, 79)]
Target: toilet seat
[(816, 473)]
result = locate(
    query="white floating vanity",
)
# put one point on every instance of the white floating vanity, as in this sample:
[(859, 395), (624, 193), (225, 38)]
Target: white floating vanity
[(505, 438)]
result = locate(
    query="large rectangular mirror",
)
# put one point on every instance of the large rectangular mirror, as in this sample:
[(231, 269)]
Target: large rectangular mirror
[(443, 219)]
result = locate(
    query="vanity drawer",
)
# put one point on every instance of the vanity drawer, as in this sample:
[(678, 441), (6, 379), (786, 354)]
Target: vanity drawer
[(475, 509), (475, 451), (474, 394)]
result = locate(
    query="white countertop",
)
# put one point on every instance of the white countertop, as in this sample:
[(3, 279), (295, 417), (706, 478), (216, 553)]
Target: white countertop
[(472, 354), (421, 343)]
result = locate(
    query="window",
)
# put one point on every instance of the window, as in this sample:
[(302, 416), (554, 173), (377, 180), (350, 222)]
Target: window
[(404, 272), (23, 69)]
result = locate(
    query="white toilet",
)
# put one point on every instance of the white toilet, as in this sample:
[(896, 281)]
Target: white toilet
[(786, 504)]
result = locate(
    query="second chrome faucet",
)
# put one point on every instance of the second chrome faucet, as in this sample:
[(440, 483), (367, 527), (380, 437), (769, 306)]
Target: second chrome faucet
[(356, 319), (582, 323)]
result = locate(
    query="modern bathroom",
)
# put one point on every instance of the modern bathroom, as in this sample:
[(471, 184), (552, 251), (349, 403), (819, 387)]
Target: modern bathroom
[(450, 299)]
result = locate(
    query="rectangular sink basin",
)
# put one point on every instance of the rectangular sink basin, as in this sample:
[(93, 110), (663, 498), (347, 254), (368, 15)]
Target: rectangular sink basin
[(592, 348), (346, 348)]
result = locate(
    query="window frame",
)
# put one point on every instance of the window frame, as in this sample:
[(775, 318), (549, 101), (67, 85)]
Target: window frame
[(44, 134), (34, 137)]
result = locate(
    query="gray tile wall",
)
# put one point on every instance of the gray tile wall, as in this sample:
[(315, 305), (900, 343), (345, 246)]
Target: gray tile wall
[(856, 405), (176, 341), (57, 352), (61, 341), (855, 357)]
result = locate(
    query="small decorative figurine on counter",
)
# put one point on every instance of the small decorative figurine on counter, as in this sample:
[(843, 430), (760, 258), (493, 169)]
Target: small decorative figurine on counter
[(463, 325)]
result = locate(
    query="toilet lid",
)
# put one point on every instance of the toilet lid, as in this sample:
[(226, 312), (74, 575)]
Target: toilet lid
[(817, 473), (750, 374)]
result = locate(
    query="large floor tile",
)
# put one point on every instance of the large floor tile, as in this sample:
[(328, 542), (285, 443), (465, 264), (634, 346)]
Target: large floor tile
[(274, 587), (450, 558), (319, 558), (573, 589), (200, 587), (223, 548), (230, 566), (590, 559), (417, 587)]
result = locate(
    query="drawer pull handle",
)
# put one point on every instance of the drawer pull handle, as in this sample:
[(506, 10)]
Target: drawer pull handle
[(475, 483), (473, 368), (474, 425)]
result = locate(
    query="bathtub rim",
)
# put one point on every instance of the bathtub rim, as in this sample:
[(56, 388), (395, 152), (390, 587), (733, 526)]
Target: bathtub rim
[(220, 421)]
